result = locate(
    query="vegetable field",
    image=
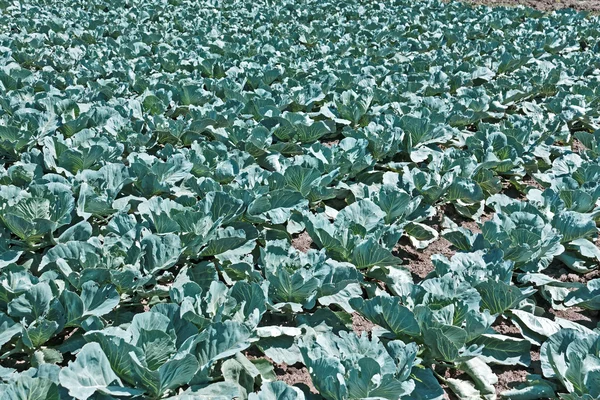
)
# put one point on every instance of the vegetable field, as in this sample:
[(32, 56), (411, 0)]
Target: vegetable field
[(298, 199)]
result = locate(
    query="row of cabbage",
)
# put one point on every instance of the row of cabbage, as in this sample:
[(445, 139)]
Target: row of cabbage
[(159, 159)]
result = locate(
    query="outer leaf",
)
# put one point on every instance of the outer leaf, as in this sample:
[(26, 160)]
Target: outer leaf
[(587, 297), (8, 329), (98, 300), (504, 350), (482, 375), (498, 296), (573, 225), (370, 254), (91, 373), (389, 314), (28, 388), (277, 391), (534, 388)]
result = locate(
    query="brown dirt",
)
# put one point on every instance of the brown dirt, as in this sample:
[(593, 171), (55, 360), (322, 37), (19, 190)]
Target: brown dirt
[(575, 314), (451, 373), (506, 327), (509, 377), (360, 324), (330, 143), (419, 261), (511, 191), (518, 190), (455, 374), (586, 318), (536, 366), (558, 271), (145, 305), (530, 181), (544, 5), (295, 375), (473, 226), (67, 334), (447, 393), (449, 211), (302, 242), (20, 362), (577, 146)]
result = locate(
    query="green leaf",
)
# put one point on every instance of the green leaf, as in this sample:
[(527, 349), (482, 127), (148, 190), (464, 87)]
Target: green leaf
[(587, 297), (353, 106), (420, 235), (363, 382), (445, 341), (46, 356), (149, 321), (482, 375), (218, 341), (534, 388), (361, 217), (277, 391), (327, 377), (33, 304), (91, 373), (393, 202), (8, 329), (498, 296), (389, 314), (98, 300), (573, 225), (157, 347), (233, 371), (369, 254), (427, 386), (160, 252), (39, 332), (535, 329), (504, 350), (301, 179), (28, 388), (464, 390), (170, 375)]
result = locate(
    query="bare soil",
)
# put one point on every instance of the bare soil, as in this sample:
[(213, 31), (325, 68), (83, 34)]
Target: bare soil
[(449, 211), (583, 317), (560, 272), (361, 324), (528, 180), (295, 375), (577, 146), (508, 376), (512, 192), (506, 327), (544, 5), (419, 261), (302, 242), (520, 194)]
